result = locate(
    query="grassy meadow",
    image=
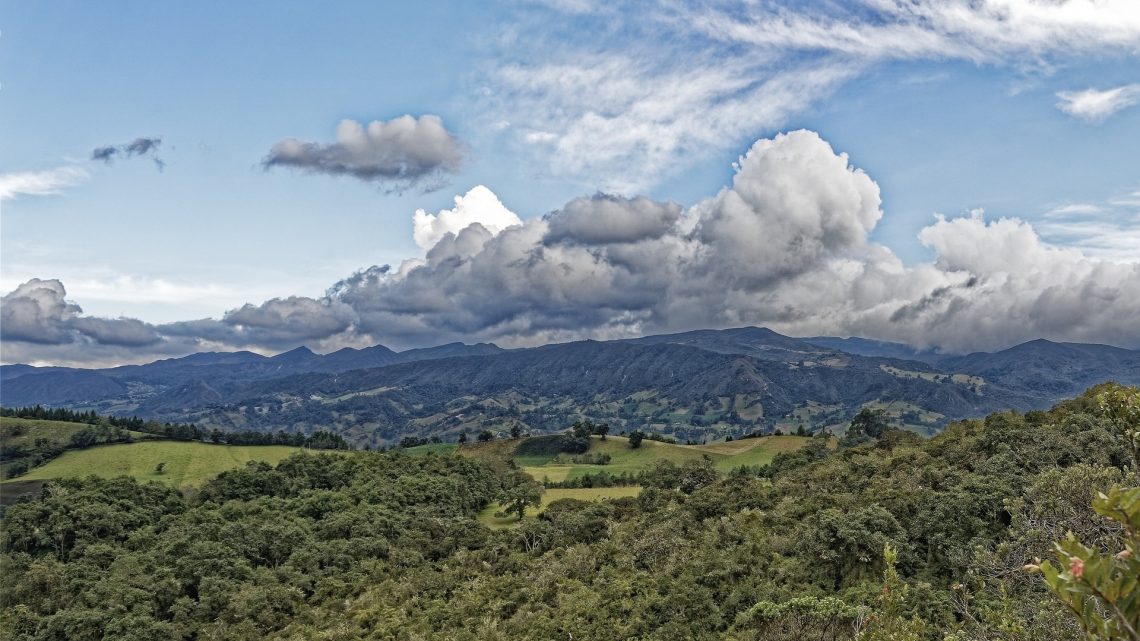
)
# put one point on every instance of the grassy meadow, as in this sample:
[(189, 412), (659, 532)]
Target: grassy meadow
[(724, 455), (432, 448), (24, 431), (187, 463)]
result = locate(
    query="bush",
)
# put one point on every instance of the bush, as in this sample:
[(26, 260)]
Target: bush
[(553, 445)]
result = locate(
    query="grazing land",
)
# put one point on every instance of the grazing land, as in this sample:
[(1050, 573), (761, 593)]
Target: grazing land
[(725, 456), (432, 448), (24, 431), (186, 463), (28, 442)]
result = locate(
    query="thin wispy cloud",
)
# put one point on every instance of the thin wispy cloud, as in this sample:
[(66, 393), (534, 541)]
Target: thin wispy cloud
[(1108, 230), (1096, 105), (986, 32), (1072, 209), (661, 86), (40, 183)]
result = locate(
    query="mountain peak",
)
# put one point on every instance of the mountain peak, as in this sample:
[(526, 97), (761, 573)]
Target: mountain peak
[(293, 355)]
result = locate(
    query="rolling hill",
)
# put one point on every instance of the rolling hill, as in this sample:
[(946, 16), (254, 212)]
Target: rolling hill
[(691, 385)]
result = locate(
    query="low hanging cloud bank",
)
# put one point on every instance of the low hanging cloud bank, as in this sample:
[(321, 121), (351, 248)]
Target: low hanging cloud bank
[(784, 246), (401, 153)]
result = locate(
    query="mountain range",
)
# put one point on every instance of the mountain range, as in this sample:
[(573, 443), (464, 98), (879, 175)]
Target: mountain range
[(692, 385)]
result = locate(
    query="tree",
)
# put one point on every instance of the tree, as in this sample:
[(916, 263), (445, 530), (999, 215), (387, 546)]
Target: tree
[(462, 438), (635, 438), (697, 474), (867, 424), (521, 493), (601, 429), (582, 429), (486, 435), (516, 431)]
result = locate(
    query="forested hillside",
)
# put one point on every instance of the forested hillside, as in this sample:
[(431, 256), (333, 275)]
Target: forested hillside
[(889, 537), (703, 384)]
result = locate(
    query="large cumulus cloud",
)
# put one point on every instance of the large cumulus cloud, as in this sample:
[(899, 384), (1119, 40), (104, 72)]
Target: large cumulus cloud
[(399, 153), (786, 245)]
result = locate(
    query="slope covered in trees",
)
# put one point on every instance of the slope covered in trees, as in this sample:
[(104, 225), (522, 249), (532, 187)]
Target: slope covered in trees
[(691, 385), (892, 538)]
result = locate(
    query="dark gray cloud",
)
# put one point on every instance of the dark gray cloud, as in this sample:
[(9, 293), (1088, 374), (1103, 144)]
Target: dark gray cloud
[(400, 153), (604, 219), (139, 147), (38, 325), (786, 245), (36, 312)]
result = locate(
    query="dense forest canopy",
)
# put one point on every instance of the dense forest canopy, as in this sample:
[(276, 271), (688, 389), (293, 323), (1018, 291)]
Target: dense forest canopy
[(890, 537)]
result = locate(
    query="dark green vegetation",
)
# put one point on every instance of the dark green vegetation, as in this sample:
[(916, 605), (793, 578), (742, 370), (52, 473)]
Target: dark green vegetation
[(895, 538), (691, 386)]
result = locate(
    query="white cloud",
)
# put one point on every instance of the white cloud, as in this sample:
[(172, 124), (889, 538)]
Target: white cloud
[(479, 205), (976, 30), (40, 183), (785, 246), (661, 85), (1108, 230), (1074, 209), (1095, 105), (622, 123)]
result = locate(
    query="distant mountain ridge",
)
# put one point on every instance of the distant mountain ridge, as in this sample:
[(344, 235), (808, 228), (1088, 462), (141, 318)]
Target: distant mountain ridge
[(691, 384)]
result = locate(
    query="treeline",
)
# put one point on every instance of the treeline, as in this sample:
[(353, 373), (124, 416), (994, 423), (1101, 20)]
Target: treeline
[(320, 439), (64, 415)]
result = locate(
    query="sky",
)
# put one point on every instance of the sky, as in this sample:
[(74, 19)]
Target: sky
[(183, 177)]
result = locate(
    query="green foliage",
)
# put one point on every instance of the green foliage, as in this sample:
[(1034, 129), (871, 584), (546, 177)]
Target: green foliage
[(519, 493), (1121, 406), (635, 438), (806, 618), (397, 545), (1102, 589), (888, 622), (868, 424), (553, 445)]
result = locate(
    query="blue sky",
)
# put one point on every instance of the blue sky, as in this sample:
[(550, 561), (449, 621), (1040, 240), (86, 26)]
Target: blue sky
[(546, 102)]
